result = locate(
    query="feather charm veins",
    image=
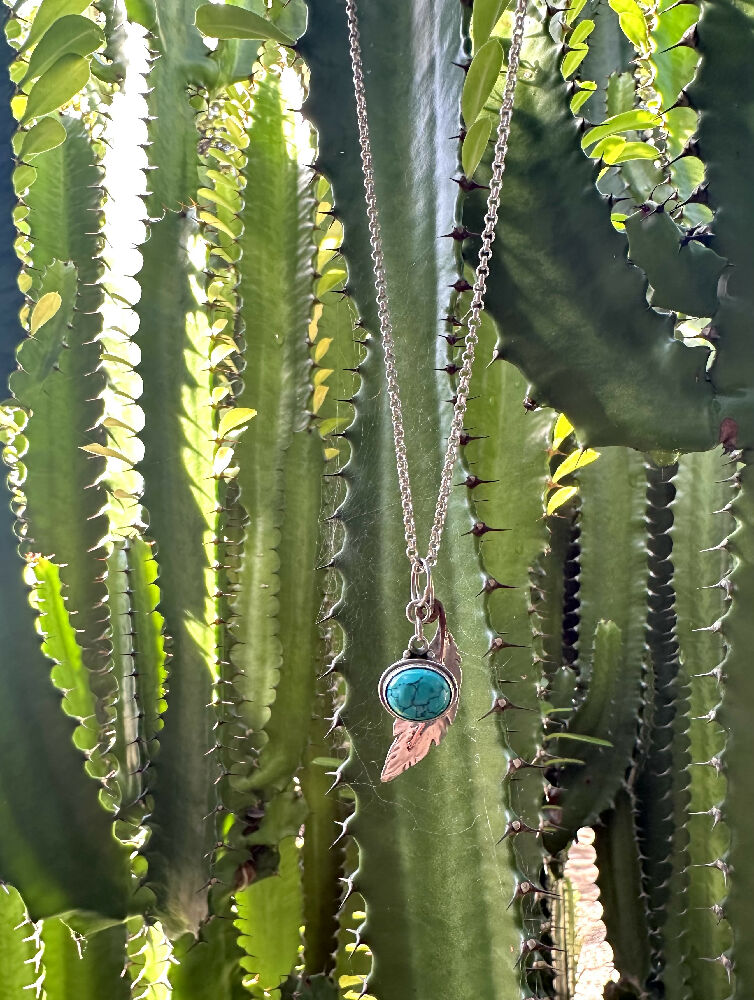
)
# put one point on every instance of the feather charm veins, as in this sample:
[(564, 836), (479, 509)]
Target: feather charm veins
[(421, 690)]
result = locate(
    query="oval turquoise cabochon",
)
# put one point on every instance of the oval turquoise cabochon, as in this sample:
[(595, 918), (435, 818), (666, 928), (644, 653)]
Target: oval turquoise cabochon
[(418, 694)]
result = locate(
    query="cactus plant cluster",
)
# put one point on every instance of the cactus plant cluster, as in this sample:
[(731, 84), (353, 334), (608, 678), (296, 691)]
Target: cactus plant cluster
[(202, 558)]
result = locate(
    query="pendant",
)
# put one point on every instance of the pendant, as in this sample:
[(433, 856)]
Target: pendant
[(421, 691)]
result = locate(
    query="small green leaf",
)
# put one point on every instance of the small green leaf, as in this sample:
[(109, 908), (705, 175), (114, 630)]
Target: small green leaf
[(573, 60), (322, 347), (101, 449), (578, 738), (71, 34), (634, 151), (673, 25), (58, 85), (681, 125), (46, 134), (616, 149), (222, 459), (581, 32), (632, 21), (50, 11), (576, 460), (484, 16), (23, 178), (582, 95), (628, 121), (563, 427), (480, 79), (235, 22), (331, 762), (574, 9), (233, 419), (44, 310), (675, 70), (475, 144), (332, 424), (687, 174), (143, 12), (329, 280), (560, 497)]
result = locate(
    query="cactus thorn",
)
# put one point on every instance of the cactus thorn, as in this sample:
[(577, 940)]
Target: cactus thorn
[(516, 764), (722, 960), (480, 528), (459, 233), (464, 437), (491, 585), (516, 826), (451, 368), (714, 811), (503, 704), (471, 482), (468, 184), (499, 643)]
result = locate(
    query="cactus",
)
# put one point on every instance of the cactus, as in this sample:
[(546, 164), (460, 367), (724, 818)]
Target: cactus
[(202, 554)]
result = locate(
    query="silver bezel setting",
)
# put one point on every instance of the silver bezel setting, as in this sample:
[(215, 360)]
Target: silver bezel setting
[(418, 661)]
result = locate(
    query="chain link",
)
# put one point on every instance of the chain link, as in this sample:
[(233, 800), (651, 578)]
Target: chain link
[(479, 288)]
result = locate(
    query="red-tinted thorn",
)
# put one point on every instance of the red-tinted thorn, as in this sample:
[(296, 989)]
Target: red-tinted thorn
[(452, 401), (452, 320), (459, 233), (728, 435), (451, 368), (467, 184), (480, 528), (471, 482), (464, 65), (461, 285), (464, 437), (530, 404)]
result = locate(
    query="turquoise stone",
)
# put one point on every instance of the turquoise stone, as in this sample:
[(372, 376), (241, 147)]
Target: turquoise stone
[(418, 694)]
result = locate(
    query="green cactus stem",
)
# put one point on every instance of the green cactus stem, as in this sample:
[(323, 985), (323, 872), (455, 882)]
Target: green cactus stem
[(177, 468), (438, 832), (705, 486)]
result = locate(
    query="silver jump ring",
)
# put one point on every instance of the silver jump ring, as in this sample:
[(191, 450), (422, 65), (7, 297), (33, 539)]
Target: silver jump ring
[(422, 594)]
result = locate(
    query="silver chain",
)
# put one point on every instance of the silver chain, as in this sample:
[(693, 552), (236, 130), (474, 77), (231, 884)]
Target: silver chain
[(477, 301)]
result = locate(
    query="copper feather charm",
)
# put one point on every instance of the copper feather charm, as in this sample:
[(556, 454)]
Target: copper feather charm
[(413, 740)]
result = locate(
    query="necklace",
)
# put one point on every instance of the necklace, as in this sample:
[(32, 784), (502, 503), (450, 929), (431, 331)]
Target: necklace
[(421, 690)]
